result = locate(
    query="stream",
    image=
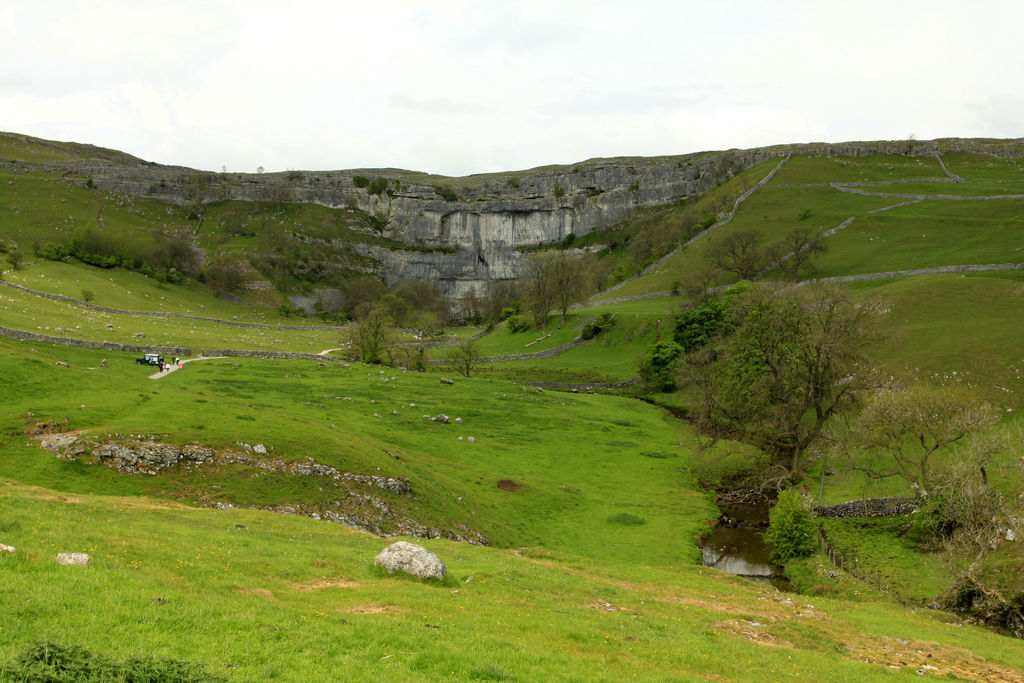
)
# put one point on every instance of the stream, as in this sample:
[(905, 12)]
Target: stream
[(736, 544)]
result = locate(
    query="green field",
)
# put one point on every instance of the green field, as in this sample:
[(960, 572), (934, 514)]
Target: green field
[(591, 503)]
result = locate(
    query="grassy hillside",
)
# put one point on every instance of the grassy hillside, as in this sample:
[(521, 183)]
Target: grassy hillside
[(590, 502)]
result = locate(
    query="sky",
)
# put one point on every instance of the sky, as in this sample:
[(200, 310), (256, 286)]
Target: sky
[(459, 87)]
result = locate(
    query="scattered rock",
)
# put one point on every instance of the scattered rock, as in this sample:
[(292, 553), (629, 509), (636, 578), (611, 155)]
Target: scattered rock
[(63, 364), (65, 445), (411, 559), (445, 380), (458, 420), (103, 363), (6, 548), (442, 418), (78, 559), (470, 439), (260, 448)]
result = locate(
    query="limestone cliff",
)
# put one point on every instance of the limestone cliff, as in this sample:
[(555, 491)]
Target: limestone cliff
[(466, 232)]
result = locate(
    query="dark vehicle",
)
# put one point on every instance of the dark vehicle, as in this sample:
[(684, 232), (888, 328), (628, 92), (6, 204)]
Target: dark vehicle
[(151, 359)]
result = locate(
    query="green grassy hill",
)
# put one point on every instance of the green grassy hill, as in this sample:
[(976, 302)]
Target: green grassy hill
[(589, 501)]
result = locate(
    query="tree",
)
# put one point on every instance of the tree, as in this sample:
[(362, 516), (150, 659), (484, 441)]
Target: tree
[(800, 247), (783, 364), (738, 252), (567, 280), (538, 281), (224, 274), (372, 336), (910, 425), (463, 356), (14, 255)]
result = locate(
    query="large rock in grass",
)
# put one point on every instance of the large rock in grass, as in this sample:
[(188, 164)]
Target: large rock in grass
[(79, 559), (411, 559)]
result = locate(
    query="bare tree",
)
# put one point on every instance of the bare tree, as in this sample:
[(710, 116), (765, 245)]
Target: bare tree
[(539, 286), (462, 357), (910, 425), (800, 247), (738, 252)]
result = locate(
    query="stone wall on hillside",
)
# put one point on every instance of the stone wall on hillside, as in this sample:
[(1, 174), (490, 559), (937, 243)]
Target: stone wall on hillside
[(869, 507), (82, 343)]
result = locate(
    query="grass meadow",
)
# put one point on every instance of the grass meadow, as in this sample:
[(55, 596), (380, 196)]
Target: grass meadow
[(590, 501)]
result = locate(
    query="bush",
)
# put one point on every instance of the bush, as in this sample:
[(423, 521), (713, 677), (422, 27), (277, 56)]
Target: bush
[(447, 193), (51, 251), (790, 529), (48, 661), (696, 328), (605, 322), (657, 368), (517, 323)]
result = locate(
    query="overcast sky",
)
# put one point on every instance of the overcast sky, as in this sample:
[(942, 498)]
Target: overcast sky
[(459, 87)]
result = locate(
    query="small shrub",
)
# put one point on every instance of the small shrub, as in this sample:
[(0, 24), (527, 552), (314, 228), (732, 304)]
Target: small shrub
[(49, 661), (559, 190), (603, 323), (511, 309), (518, 323), (88, 295), (657, 368), (377, 186), (446, 193), (790, 529)]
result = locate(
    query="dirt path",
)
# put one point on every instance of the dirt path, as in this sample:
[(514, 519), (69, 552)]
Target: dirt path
[(164, 373)]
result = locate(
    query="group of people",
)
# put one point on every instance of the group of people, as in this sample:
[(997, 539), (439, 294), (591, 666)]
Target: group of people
[(176, 363)]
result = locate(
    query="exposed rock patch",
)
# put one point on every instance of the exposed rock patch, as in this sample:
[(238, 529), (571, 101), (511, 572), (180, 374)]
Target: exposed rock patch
[(149, 457), (357, 510)]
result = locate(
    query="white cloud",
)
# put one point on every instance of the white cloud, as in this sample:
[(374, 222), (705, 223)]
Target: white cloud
[(460, 86)]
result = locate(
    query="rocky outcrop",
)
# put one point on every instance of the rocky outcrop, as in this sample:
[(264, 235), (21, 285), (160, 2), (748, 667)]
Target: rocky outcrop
[(357, 510), (150, 457)]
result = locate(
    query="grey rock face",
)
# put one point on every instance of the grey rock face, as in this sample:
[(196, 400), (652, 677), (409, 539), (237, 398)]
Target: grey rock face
[(411, 559), (466, 239), (78, 559)]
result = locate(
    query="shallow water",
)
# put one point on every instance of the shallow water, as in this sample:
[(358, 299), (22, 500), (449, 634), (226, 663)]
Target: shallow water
[(736, 545)]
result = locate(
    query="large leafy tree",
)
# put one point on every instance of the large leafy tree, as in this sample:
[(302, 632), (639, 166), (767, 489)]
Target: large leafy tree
[(785, 361)]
